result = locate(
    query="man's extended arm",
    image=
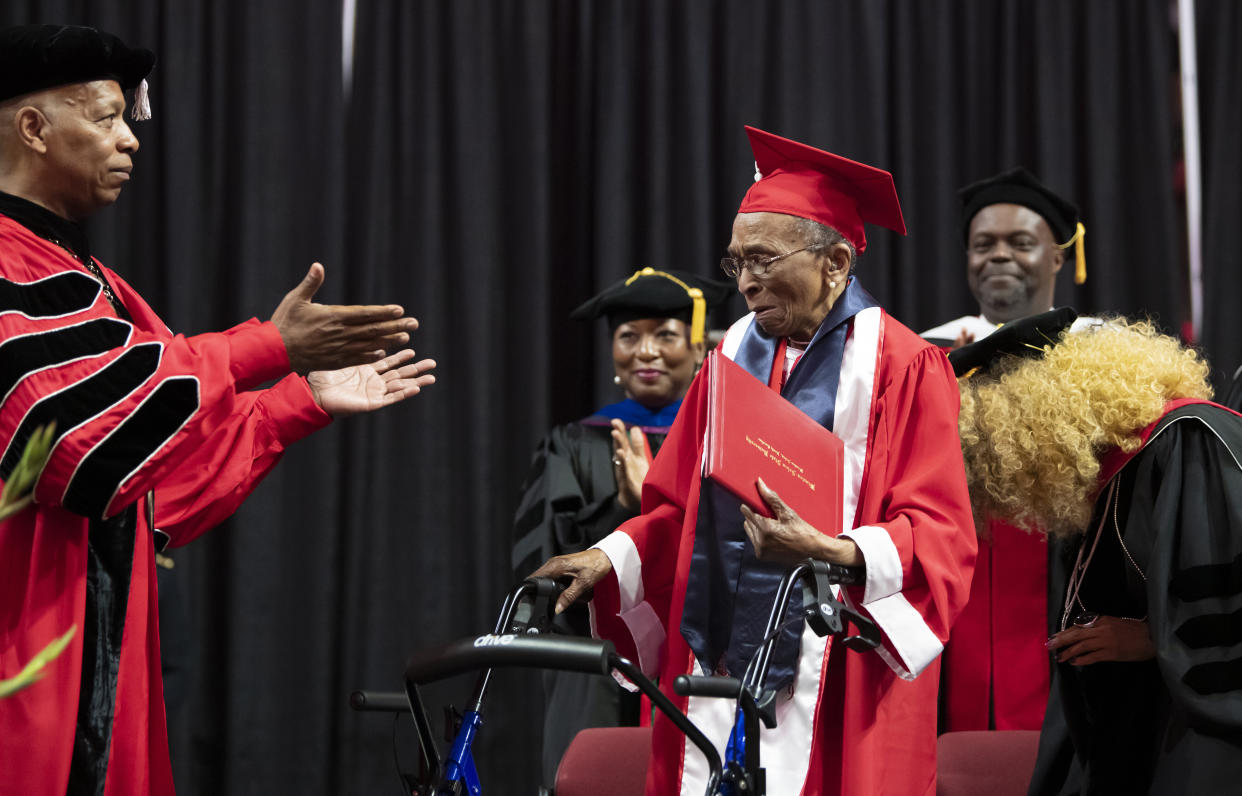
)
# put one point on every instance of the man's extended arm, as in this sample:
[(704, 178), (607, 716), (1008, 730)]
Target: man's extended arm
[(131, 401)]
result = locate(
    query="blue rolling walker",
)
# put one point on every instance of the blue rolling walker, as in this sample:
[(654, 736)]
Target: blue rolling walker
[(521, 639)]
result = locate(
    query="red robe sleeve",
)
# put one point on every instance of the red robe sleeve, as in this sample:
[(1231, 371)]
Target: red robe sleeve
[(210, 483), (211, 479), (914, 524), (135, 406)]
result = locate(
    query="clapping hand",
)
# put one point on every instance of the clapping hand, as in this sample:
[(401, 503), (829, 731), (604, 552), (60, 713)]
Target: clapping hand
[(629, 463), (964, 337)]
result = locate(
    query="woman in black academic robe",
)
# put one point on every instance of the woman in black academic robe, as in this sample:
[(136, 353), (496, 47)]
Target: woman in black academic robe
[(586, 477), (1104, 437), (1162, 714)]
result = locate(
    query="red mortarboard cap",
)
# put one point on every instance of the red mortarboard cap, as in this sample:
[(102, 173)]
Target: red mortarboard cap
[(800, 180)]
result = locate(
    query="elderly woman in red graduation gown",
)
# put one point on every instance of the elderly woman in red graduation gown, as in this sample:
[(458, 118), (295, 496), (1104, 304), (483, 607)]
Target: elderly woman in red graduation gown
[(686, 586)]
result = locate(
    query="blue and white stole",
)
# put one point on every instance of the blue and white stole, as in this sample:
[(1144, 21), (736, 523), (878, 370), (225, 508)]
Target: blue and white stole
[(730, 592)]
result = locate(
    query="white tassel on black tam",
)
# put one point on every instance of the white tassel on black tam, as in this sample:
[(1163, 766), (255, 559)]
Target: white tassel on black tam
[(142, 103)]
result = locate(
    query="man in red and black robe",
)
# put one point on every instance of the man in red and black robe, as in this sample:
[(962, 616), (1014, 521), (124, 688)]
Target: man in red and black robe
[(157, 437)]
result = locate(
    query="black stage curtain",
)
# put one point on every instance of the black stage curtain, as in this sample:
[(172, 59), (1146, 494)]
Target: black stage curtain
[(1220, 108), (495, 163)]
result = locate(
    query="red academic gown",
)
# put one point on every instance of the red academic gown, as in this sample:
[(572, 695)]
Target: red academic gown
[(996, 669), (853, 723), (137, 409)]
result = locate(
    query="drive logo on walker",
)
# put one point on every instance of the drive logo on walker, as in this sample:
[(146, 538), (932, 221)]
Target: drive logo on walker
[(491, 640)]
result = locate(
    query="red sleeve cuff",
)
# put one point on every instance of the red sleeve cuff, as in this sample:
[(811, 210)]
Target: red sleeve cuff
[(293, 410), (256, 353)]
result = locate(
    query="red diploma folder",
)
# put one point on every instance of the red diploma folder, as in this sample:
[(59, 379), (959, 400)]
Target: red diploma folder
[(752, 432)]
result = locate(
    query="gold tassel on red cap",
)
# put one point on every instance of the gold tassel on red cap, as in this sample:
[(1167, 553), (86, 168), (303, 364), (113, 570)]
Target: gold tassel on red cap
[(698, 316), (1080, 253)]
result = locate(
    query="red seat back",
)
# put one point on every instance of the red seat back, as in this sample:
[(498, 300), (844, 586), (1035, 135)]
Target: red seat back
[(605, 761), (986, 762)]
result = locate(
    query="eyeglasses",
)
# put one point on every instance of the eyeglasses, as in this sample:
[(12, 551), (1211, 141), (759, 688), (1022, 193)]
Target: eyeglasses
[(758, 266)]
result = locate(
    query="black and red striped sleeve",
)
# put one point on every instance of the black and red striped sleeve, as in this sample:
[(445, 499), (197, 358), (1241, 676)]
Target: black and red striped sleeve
[(135, 406)]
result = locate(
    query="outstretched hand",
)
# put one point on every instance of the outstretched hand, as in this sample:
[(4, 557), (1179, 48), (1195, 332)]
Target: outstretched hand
[(332, 336), (586, 568), (365, 388), (786, 538)]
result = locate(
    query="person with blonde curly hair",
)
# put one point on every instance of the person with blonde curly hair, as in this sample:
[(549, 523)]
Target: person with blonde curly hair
[(1106, 438)]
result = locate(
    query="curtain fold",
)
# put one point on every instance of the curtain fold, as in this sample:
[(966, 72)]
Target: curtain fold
[(1219, 23)]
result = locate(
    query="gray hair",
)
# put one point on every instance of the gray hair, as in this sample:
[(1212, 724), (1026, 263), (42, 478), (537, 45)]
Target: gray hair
[(822, 236)]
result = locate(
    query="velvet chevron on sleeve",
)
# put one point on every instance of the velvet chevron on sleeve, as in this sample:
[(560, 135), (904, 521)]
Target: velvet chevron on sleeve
[(138, 412)]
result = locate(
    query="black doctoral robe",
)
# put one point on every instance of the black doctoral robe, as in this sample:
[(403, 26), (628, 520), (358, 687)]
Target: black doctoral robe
[(569, 502), (1170, 552)]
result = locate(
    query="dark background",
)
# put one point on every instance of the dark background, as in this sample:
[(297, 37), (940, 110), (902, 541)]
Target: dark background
[(495, 163)]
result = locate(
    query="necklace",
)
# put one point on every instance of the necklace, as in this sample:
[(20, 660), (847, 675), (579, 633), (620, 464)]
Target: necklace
[(90, 265), (1111, 502), (1122, 542), (1080, 566)]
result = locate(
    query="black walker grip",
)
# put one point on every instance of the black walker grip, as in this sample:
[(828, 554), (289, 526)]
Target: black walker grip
[(529, 605), (706, 686), (535, 651), (379, 701)]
